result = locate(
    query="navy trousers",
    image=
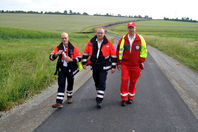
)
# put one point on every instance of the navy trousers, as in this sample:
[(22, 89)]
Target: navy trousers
[(62, 76), (99, 77)]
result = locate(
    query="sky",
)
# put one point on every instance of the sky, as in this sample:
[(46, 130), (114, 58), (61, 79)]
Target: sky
[(156, 9)]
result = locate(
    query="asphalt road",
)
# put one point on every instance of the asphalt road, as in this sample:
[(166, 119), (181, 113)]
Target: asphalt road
[(157, 108)]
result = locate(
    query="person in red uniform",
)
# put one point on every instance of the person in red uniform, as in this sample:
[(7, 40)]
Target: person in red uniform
[(103, 58), (66, 67), (130, 62)]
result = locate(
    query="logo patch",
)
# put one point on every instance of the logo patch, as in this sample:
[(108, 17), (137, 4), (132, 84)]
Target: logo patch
[(137, 47)]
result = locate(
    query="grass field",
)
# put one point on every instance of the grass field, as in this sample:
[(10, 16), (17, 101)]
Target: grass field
[(177, 39), (25, 68), (59, 23)]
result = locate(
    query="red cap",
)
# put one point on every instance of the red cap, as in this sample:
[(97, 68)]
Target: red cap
[(131, 24)]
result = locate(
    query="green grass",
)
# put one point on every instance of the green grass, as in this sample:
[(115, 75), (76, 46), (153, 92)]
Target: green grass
[(176, 39), (59, 23), (25, 68)]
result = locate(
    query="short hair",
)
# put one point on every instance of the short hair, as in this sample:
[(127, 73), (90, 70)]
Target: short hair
[(102, 29), (64, 33)]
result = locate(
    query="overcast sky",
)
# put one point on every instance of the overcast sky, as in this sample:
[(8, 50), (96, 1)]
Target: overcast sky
[(154, 8)]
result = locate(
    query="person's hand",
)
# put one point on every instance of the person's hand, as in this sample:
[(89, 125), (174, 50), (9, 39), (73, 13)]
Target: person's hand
[(59, 52), (84, 66), (141, 66), (68, 59), (119, 67), (113, 70)]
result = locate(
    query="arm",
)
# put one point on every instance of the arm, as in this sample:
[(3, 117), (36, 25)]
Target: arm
[(86, 54), (113, 57), (55, 53)]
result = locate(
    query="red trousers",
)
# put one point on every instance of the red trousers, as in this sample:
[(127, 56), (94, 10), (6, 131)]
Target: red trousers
[(128, 89)]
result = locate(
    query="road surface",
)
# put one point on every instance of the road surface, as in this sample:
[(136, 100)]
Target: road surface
[(157, 107)]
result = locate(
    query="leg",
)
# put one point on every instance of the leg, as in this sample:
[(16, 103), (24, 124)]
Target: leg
[(61, 86), (96, 77), (134, 75), (124, 83), (70, 83), (101, 86)]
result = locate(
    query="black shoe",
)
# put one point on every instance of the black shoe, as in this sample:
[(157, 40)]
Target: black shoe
[(99, 105), (130, 101), (123, 103)]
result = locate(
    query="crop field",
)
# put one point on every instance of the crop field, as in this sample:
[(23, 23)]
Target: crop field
[(58, 23), (176, 39)]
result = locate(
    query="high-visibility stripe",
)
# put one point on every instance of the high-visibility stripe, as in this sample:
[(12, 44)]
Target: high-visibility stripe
[(113, 56), (51, 56), (131, 94), (100, 91), (114, 64), (121, 50), (124, 94), (77, 59), (69, 94), (143, 51), (84, 60), (60, 98), (85, 54), (107, 57), (61, 94), (100, 96), (106, 67)]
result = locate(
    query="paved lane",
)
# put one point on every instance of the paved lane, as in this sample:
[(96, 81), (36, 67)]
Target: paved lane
[(157, 108)]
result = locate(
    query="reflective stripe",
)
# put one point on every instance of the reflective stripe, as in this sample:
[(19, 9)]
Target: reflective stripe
[(121, 50), (69, 91), (75, 72), (106, 67), (61, 94), (100, 91), (124, 94), (69, 94), (113, 56), (143, 51), (51, 56), (131, 94), (107, 57), (60, 98), (100, 96), (84, 60), (85, 54), (77, 59), (114, 64)]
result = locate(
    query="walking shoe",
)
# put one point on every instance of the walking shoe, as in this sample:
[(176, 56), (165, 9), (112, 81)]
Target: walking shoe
[(99, 105), (130, 101), (69, 100), (59, 106), (123, 103)]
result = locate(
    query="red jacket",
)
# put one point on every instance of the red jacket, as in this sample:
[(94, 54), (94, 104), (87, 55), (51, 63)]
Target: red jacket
[(130, 59), (72, 51), (107, 58)]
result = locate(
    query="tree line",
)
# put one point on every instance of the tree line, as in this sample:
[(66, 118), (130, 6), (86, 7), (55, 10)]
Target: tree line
[(70, 12), (183, 19)]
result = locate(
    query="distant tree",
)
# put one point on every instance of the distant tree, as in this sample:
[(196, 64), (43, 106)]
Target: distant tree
[(70, 12), (84, 13), (65, 12)]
